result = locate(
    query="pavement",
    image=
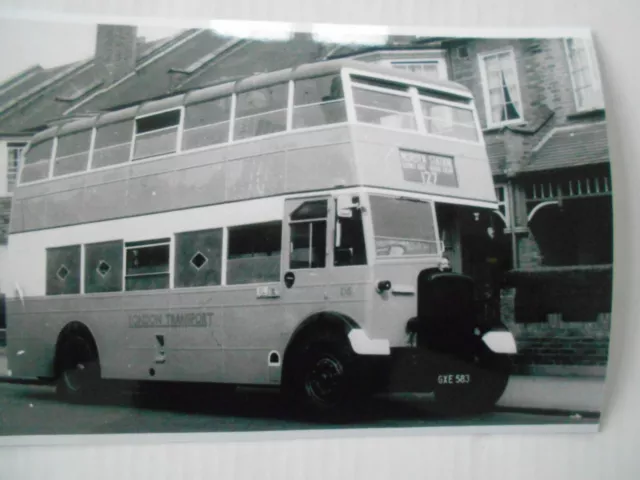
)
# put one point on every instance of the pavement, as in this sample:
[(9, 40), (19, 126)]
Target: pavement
[(525, 393)]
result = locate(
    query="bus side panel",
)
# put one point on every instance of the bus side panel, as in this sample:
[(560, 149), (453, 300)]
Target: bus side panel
[(254, 327), (32, 331), (195, 346)]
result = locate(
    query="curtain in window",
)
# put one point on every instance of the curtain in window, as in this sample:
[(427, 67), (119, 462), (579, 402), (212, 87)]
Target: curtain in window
[(503, 88)]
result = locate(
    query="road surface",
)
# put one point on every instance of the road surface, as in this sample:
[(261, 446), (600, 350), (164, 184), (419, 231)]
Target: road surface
[(34, 410)]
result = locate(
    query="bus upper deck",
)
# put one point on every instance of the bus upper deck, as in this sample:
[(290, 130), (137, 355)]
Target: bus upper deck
[(324, 125)]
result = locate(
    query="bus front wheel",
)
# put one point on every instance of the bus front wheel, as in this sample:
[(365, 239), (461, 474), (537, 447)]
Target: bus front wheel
[(325, 382), (79, 370)]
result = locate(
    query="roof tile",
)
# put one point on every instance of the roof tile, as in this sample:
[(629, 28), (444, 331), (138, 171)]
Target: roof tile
[(155, 79), (578, 146)]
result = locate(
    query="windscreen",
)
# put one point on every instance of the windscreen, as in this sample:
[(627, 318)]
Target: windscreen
[(403, 226)]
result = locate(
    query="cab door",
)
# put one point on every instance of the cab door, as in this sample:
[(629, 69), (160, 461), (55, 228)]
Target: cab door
[(307, 235)]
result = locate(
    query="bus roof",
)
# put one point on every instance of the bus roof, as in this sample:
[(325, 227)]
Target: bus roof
[(308, 70)]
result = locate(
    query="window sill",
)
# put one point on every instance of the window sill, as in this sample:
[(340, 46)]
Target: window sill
[(502, 126), (594, 112)]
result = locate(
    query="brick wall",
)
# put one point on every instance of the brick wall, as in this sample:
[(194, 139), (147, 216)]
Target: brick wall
[(557, 346)]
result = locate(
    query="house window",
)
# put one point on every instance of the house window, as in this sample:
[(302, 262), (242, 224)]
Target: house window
[(585, 75), (156, 134), (502, 98), (254, 253), (147, 265), (14, 154), (430, 69)]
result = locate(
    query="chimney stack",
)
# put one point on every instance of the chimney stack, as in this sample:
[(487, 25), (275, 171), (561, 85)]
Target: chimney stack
[(116, 50)]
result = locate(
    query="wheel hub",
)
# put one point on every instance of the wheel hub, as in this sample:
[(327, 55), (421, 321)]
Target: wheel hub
[(324, 381)]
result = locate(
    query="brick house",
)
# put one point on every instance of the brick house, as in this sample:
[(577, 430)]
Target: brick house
[(541, 109)]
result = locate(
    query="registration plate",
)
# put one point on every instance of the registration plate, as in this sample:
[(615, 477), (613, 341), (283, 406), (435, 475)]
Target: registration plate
[(454, 379)]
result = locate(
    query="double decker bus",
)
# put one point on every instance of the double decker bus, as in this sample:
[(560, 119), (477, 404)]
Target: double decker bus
[(278, 230)]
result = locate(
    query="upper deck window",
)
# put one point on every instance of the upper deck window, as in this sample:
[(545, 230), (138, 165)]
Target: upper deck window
[(207, 123), (449, 121), (36, 162), (72, 153), (261, 112), (383, 103), (318, 101), (112, 144), (156, 134)]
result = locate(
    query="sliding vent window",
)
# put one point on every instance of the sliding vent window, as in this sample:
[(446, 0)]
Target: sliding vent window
[(206, 123), (254, 253), (156, 134), (449, 121), (63, 270), (318, 101), (147, 265), (112, 145), (103, 267), (261, 112), (198, 260), (308, 226), (72, 153), (383, 103), (36, 162)]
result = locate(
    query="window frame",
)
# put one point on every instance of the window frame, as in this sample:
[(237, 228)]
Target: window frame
[(89, 152), (157, 242), (390, 258), (228, 121), (413, 88), (226, 242), (13, 146), (594, 74), (344, 73), (482, 58), (441, 64), (179, 131)]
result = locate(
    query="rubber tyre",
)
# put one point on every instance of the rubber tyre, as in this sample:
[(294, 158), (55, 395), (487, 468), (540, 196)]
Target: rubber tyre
[(490, 377), (79, 374), (325, 385)]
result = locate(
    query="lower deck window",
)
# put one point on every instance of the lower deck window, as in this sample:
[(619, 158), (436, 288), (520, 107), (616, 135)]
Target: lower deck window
[(198, 259), (147, 265), (63, 270), (103, 267), (254, 253)]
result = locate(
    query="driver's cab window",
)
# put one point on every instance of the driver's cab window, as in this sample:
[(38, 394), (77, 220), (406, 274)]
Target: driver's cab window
[(349, 248), (308, 225)]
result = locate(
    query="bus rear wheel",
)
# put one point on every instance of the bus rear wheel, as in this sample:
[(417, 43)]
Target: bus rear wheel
[(325, 383), (79, 370)]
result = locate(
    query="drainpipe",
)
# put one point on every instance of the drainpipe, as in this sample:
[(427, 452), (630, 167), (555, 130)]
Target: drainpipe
[(512, 220)]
